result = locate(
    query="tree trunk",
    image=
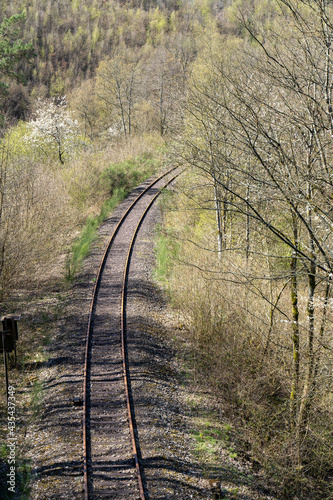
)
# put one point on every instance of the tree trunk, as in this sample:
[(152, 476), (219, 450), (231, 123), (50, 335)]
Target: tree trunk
[(247, 238), (307, 394), (218, 222), (295, 327)]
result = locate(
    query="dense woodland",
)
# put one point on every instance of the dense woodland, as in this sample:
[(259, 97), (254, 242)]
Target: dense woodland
[(100, 94)]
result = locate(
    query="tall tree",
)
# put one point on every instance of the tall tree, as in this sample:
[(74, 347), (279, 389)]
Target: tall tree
[(12, 52), (117, 87), (272, 101)]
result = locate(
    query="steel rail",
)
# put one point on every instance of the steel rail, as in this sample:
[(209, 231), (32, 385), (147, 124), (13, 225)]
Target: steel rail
[(89, 331), (130, 406)]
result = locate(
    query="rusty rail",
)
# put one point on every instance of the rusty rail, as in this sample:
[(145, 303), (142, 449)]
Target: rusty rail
[(123, 342)]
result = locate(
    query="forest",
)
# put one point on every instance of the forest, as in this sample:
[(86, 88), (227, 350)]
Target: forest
[(96, 95)]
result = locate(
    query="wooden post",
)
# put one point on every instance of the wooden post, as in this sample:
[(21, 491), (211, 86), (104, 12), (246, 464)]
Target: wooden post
[(5, 363)]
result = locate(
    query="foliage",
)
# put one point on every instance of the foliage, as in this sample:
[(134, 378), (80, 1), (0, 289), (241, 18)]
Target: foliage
[(54, 131), (117, 181), (85, 103), (13, 50), (70, 40), (17, 141), (117, 82), (42, 205), (257, 141), (167, 250), (30, 195), (129, 173), (142, 90)]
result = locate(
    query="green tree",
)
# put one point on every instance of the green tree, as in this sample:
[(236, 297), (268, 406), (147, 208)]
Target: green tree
[(12, 51)]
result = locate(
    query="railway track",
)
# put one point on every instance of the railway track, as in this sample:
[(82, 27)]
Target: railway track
[(111, 450)]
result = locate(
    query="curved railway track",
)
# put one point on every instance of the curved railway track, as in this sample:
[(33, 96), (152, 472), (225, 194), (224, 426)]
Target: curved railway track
[(111, 451)]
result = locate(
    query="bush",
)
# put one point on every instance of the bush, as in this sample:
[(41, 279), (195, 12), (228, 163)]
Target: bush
[(36, 219), (238, 350), (129, 173), (117, 181)]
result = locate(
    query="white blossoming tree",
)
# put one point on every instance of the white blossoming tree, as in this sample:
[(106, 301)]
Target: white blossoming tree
[(54, 130)]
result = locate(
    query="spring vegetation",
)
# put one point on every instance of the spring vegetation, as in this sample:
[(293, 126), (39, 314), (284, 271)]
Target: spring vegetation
[(97, 94)]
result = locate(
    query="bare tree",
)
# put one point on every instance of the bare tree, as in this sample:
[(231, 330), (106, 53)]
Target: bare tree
[(270, 103), (117, 88), (85, 103)]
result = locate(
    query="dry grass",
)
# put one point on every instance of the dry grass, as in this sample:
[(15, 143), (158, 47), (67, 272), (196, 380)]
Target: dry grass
[(45, 204), (36, 219), (242, 351), (46, 207)]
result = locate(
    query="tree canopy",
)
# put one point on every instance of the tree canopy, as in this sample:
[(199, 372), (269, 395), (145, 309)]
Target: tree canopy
[(12, 51)]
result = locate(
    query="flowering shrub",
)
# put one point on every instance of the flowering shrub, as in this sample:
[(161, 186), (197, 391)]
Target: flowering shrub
[(54, 130)]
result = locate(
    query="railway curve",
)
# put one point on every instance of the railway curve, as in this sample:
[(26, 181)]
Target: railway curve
[(111, 450)]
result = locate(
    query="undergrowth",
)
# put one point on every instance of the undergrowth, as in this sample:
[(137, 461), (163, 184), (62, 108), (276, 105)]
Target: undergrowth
[(226, 334), (117, 181), (166, 246), (81, 246), (165, 249)]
